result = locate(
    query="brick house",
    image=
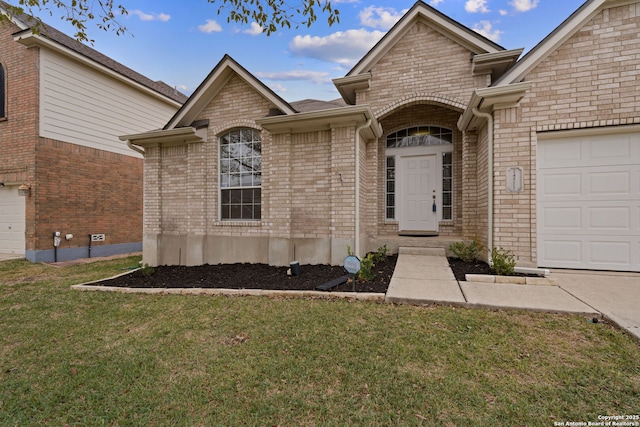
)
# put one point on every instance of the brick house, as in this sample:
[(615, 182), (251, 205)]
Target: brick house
[(62, 166), (439, 132)]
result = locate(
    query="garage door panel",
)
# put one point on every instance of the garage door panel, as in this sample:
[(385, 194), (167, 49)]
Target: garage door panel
[(609, 183), (611, 218), (588, 202), (561, 218), (561, 251), (610, 253), (561, 185), (12, 221)]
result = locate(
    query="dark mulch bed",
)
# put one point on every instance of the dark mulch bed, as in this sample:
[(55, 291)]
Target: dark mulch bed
[(254, 276), (262, 276), (460, 268)]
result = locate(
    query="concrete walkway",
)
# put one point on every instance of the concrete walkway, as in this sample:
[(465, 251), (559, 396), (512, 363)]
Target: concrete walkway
[(423, 276)]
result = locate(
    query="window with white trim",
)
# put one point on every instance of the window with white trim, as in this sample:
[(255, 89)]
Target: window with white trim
[(420, 136), (241, 175)]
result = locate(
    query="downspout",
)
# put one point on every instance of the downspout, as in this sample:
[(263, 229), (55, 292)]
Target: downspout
[(489, 118), (357, 189), (134, 148)]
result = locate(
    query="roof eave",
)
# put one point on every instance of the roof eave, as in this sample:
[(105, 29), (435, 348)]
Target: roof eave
[(350, 85), (167, 138), (490, 99), (440, 22), (214, 83), (324, 120), (552, 41)]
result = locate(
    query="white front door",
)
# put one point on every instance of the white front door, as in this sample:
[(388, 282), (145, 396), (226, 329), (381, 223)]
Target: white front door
[(418, 194)]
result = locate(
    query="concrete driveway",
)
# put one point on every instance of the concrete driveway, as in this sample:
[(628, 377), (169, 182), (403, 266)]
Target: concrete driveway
[(615, 295), (6, 257)]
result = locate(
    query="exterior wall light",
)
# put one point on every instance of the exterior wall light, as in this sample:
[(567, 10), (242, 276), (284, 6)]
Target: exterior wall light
[(24, 189)]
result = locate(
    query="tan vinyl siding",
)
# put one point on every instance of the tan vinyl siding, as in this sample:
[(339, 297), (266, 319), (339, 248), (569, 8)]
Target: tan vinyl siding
[(81, 106)]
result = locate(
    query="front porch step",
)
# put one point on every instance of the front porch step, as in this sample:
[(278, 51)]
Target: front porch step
[(422, 251), (395, 242)]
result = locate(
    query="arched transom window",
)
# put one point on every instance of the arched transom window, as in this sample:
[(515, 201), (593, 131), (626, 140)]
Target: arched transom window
[(240, 175), (420, 136)]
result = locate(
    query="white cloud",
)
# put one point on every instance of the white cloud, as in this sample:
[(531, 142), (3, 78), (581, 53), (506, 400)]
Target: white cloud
[(475, 6), (503, 12), (255, 29), (209, 27), (380, 17), (524, 5), (343, 47), (163, 17), (486, 29), (277, 87), (435, 2), (318, 77)]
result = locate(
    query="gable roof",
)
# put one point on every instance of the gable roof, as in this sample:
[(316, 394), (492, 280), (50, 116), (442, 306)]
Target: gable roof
[(440, 22), (214, 83), (556, 38), (57, 40)]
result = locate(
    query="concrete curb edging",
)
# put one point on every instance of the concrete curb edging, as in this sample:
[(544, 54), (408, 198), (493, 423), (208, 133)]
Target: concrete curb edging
[(513, 280), (358, 296)]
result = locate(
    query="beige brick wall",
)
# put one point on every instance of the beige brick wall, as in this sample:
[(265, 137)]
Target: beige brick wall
[(589, 82), (423, 61), (307, 191)]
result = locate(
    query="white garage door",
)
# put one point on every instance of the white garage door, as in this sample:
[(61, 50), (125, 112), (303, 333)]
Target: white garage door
[(588, 202), (12, 221)]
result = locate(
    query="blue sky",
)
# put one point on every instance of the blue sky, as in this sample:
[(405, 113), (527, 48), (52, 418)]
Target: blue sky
[(181, 44)]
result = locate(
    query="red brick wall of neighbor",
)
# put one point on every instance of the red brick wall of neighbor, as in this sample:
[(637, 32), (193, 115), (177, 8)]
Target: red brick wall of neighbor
[(19, 127), (84, 191)]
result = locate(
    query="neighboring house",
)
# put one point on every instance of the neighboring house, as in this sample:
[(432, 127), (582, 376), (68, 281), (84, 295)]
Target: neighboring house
[(439, 131), (62, 167)]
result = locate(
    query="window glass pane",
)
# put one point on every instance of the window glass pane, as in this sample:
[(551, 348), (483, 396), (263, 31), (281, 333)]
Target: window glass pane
[(236, 212), (390, 186), (240, 174), (420, 136)]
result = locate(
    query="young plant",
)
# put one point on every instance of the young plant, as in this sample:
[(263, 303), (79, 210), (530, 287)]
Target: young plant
[(147, 270), (503, 262), (466, 252)]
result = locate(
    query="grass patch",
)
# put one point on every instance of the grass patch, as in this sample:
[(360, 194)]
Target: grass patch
[(94, 358)]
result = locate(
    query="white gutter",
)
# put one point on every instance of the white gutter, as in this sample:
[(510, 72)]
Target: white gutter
[(357, 189), (489, 118), (134, 148)]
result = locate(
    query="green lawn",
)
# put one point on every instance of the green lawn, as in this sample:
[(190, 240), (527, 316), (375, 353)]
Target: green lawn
[(70, 358)]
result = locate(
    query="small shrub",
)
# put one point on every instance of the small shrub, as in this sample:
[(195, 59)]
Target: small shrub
[(366, 272), (466, 252), (366, 268), (147, 270), (503, 262), (380, 254)]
